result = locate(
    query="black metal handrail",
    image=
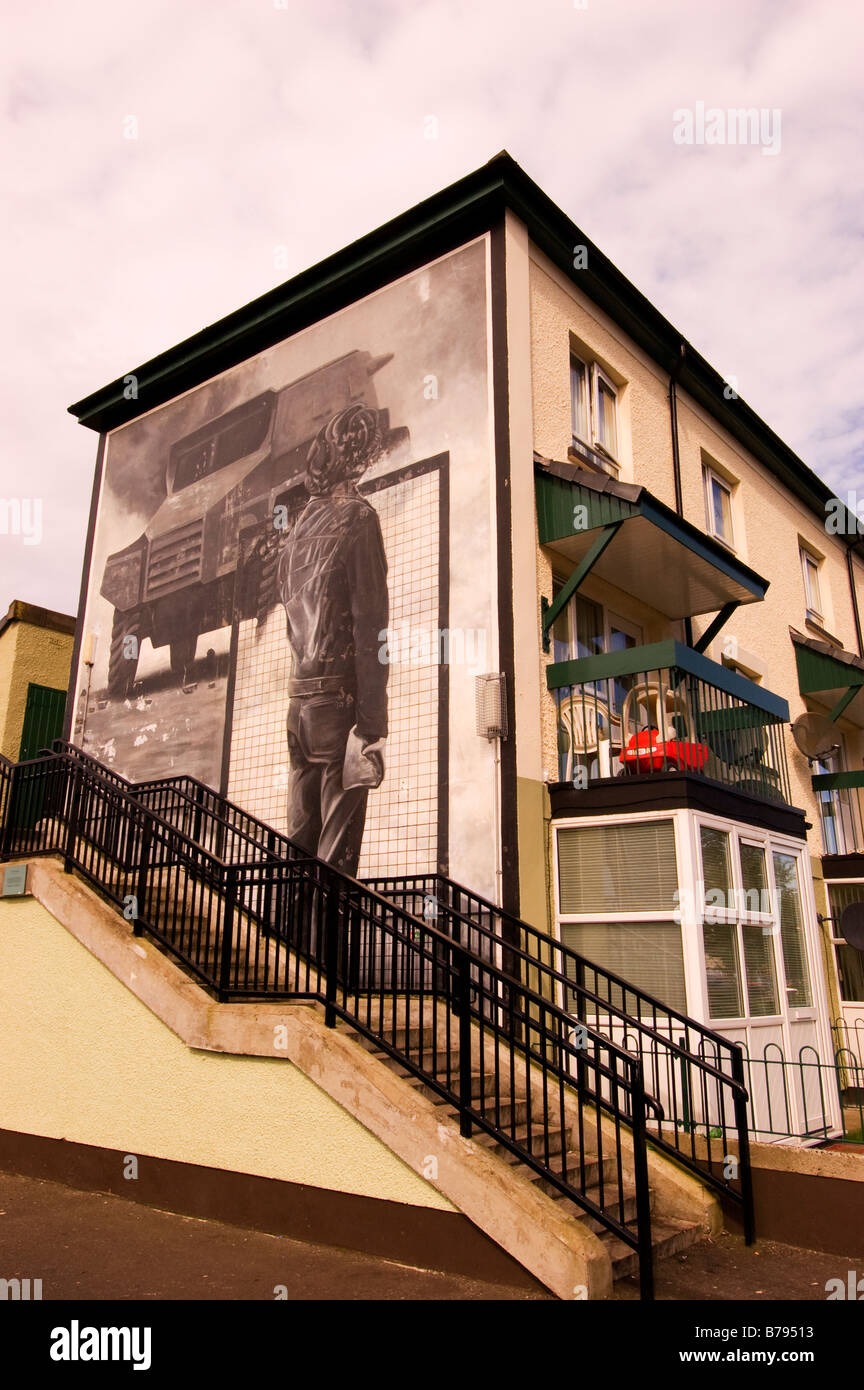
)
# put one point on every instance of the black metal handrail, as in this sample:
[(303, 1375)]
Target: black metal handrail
[(233, 833), (697, 1076), (294, 927)]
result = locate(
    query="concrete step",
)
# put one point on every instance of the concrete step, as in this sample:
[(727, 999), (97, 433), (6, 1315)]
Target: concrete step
[(479, 1085), (622, 1209), (668, 1237), (506, 1112), (537, 1141), (592, 1167)]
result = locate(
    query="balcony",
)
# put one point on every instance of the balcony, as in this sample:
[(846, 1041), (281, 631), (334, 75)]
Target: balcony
[(642, 717)]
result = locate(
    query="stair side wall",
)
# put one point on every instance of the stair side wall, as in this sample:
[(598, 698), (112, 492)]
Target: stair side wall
[(85, 1060)]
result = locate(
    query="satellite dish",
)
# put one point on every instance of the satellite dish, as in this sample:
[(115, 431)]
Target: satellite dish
[(851, 925), (815, 735)]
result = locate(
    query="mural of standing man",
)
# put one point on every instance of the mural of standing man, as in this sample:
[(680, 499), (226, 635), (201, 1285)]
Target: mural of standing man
[(332, 578)]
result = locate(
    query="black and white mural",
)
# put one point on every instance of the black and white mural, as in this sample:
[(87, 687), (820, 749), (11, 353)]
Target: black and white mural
[(292, 583)]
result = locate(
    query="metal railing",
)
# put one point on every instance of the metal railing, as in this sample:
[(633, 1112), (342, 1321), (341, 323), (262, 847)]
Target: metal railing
[(695, 1075), (198, 811), (806, 1097), (629, 719), (431, 995)]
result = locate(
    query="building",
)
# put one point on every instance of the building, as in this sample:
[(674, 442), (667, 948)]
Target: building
[(35, 655), (610, 591), (565, 481)]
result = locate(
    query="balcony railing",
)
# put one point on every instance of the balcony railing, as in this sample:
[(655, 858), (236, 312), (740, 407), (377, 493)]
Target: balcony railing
[(666, 708)]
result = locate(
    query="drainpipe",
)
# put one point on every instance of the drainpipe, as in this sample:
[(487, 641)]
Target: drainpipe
[(855, 612), (676, 459)]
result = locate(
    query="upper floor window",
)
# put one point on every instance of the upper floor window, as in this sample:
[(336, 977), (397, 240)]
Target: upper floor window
[(718, 506), (594, 410), (836, 805), (812, 589)]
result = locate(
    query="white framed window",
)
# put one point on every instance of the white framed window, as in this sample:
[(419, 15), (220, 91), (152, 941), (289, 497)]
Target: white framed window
[(585, 628), (850, 962), (689, 906), (605, 414), (810, 567), (755, 950), (617, 896), (737, 926), (836, 817), (718, 507), (594, 410), (580, 399)]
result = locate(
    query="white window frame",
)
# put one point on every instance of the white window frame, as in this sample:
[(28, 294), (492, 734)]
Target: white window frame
[(842, 812), (771, 844), (576, 360), (610, 619), (815, 612), (748, 1029), (709, 476), (738, 916), (562, 919), (600, 376), (593, 376), (836, 938)]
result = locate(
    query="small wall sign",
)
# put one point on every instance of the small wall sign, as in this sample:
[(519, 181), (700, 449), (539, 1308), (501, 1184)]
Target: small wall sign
[(15, 881)]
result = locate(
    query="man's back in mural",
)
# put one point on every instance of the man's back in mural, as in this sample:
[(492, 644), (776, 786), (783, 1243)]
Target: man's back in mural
[(333, 584)]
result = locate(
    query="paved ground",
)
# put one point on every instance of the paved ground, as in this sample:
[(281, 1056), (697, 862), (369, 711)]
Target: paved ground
[(724, 1269), (83, 1245)]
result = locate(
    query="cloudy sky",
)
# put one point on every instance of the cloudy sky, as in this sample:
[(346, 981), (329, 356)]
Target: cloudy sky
[(267, 135)]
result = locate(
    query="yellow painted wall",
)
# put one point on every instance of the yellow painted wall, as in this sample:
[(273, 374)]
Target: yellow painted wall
[(768, 520), (28, 654), (82, 1059)]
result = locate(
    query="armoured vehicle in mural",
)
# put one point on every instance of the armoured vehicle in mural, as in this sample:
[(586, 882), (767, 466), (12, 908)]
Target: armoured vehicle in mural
[(224, 484)]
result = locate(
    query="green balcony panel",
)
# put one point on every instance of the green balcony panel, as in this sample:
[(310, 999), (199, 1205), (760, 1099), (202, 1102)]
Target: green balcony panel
[(654, 555), (832, 675)]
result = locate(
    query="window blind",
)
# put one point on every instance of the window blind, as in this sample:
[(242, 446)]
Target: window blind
[(715, 862), (648, 955), (618, 868), (722, 970), (753, 876), (842, 895), (760, 971), (792, 931)]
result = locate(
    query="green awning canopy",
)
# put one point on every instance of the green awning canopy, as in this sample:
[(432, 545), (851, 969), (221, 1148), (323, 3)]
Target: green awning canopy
[(833, 676), (653, 553)]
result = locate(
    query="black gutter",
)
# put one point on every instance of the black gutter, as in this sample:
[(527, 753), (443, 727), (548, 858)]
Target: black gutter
[(676, 459), (850, 570)]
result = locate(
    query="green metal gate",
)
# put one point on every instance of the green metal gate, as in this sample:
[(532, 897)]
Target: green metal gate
[(43, 722), (43, 719)]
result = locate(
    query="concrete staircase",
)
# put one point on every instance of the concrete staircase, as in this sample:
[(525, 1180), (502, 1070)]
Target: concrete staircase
[(507, 1106), (556, 1240), (401, 1057)]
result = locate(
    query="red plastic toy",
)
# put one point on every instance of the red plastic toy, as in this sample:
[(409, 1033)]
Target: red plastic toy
[(646, 752)]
